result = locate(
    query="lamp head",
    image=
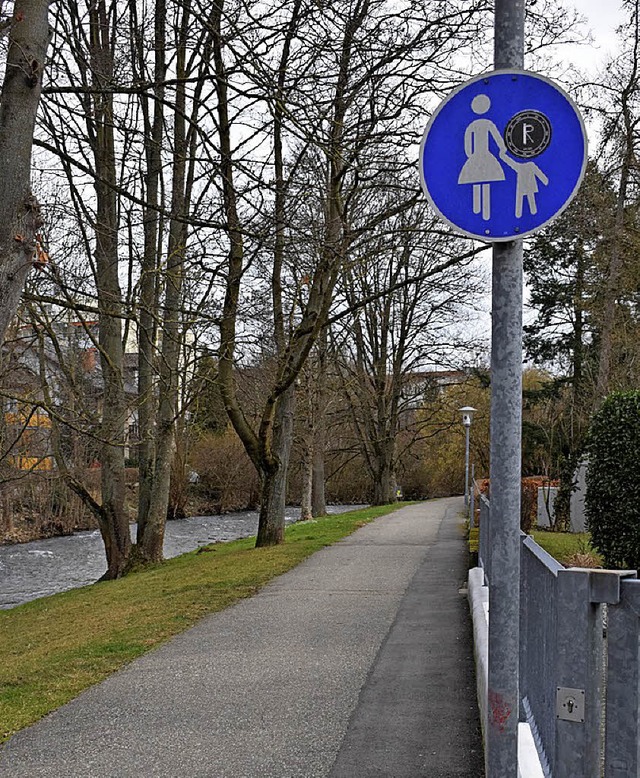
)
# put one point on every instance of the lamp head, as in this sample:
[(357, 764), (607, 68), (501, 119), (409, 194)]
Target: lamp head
[(467, 415)]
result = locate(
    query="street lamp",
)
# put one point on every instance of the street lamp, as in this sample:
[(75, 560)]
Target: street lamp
[(467, 417)]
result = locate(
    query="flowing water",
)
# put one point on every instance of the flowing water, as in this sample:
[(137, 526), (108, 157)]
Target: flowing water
[(42, 567)]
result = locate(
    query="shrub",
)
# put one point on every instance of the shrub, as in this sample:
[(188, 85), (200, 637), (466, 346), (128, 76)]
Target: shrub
[(528, 498), (612, 499), (226, 475)]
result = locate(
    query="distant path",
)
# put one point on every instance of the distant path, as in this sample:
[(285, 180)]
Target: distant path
[(357, 663)]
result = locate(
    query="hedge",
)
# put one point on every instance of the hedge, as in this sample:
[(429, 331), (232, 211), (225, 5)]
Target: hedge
[(612, 500)]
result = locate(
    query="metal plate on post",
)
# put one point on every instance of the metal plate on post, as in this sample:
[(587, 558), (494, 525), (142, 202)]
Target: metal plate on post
[(570, 704)]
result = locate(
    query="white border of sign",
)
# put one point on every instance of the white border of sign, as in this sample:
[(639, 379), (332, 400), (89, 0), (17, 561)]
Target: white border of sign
[(434, 115)]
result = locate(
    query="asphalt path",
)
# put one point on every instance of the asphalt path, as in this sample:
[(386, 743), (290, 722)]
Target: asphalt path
[(357, 663)]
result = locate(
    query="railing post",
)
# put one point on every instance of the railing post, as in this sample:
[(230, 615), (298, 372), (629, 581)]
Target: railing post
[(485, 519), (622, 737), (579, 657), (472, 498), (524, 624)]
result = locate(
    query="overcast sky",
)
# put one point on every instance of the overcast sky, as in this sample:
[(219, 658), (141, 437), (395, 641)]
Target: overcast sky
[(603, 16)]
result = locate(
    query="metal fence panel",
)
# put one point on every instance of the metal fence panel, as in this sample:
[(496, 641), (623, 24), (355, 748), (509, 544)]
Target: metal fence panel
[(579, 648), (622, 738), (563, 656), (538, 657)]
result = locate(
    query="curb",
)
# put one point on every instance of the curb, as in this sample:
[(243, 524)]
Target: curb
[(528, 761)]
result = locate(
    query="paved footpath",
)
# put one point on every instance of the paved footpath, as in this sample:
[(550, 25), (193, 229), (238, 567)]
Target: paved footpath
[(356, 664)]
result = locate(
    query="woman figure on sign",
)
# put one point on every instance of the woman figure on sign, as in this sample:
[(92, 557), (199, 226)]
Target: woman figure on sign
[(482, 166)]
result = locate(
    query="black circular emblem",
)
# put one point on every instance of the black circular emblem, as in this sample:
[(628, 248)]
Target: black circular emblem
[(528, 134)]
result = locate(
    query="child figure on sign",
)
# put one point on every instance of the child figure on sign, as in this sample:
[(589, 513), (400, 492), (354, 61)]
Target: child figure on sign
[(527, 176)]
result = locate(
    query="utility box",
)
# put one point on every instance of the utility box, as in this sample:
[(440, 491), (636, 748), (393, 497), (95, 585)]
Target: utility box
[(546, 500)]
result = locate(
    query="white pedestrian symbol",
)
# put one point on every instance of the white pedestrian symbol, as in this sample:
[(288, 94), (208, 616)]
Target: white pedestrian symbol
[(483, 167), (527, 176)]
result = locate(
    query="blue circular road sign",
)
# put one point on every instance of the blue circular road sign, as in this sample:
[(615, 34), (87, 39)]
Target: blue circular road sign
[(503, 155)]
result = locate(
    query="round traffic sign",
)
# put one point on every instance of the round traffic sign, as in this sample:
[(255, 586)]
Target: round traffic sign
[(503, 155)]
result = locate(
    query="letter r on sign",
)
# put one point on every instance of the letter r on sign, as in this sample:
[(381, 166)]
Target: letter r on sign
[(527, 130)]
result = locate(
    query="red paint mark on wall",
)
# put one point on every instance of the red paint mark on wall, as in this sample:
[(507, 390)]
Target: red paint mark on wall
[(499, 711)]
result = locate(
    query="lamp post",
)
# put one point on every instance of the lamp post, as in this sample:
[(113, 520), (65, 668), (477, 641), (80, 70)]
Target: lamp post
[(467, 417)]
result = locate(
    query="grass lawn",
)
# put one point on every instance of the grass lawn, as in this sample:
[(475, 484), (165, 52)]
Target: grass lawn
[(474, 539), (570, 549), (53, 648)]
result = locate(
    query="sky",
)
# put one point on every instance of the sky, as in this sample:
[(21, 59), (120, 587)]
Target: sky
[(603, 17)]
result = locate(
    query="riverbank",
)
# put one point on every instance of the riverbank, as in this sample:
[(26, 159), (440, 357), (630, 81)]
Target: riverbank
[(42, 506), (54, 647), (44, 567), (28, 526), (27, 529)]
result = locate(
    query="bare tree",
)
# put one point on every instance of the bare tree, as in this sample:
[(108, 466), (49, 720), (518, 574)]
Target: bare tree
[(29, 36), (192, 136), (338, 80), (385, 345), (622, 88)]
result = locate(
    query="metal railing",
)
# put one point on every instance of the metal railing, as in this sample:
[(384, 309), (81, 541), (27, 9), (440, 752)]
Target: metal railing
[(579, 656), (622, 738)]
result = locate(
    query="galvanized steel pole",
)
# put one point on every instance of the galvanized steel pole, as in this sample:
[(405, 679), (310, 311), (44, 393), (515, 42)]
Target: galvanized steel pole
[(467, 428), (506, 431)]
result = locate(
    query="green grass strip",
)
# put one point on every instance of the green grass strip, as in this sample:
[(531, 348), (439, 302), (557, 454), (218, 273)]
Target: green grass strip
[(474, 539), (53, 648), (567, 547)]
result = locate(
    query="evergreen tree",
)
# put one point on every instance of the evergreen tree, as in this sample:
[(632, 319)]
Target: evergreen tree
[(563, 268)]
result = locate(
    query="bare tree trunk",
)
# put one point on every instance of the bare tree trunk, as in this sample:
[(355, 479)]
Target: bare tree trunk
[(19, 213), (154, 130), (151, 536), (612, 286), (318, 497), (616, 263), (274, 480), (384, 487), (228, 320), (115, 526), (306, 446), (306, 505), (276, 457), (6, 519)]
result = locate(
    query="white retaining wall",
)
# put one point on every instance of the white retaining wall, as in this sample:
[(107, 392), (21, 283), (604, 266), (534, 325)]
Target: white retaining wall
[(528, 762)]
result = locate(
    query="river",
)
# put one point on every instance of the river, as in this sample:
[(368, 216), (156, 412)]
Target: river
[(43, 567)]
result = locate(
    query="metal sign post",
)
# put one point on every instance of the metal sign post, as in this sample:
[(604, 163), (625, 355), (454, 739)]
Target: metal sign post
[(505, 458), (501, 157), (504, 536)]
